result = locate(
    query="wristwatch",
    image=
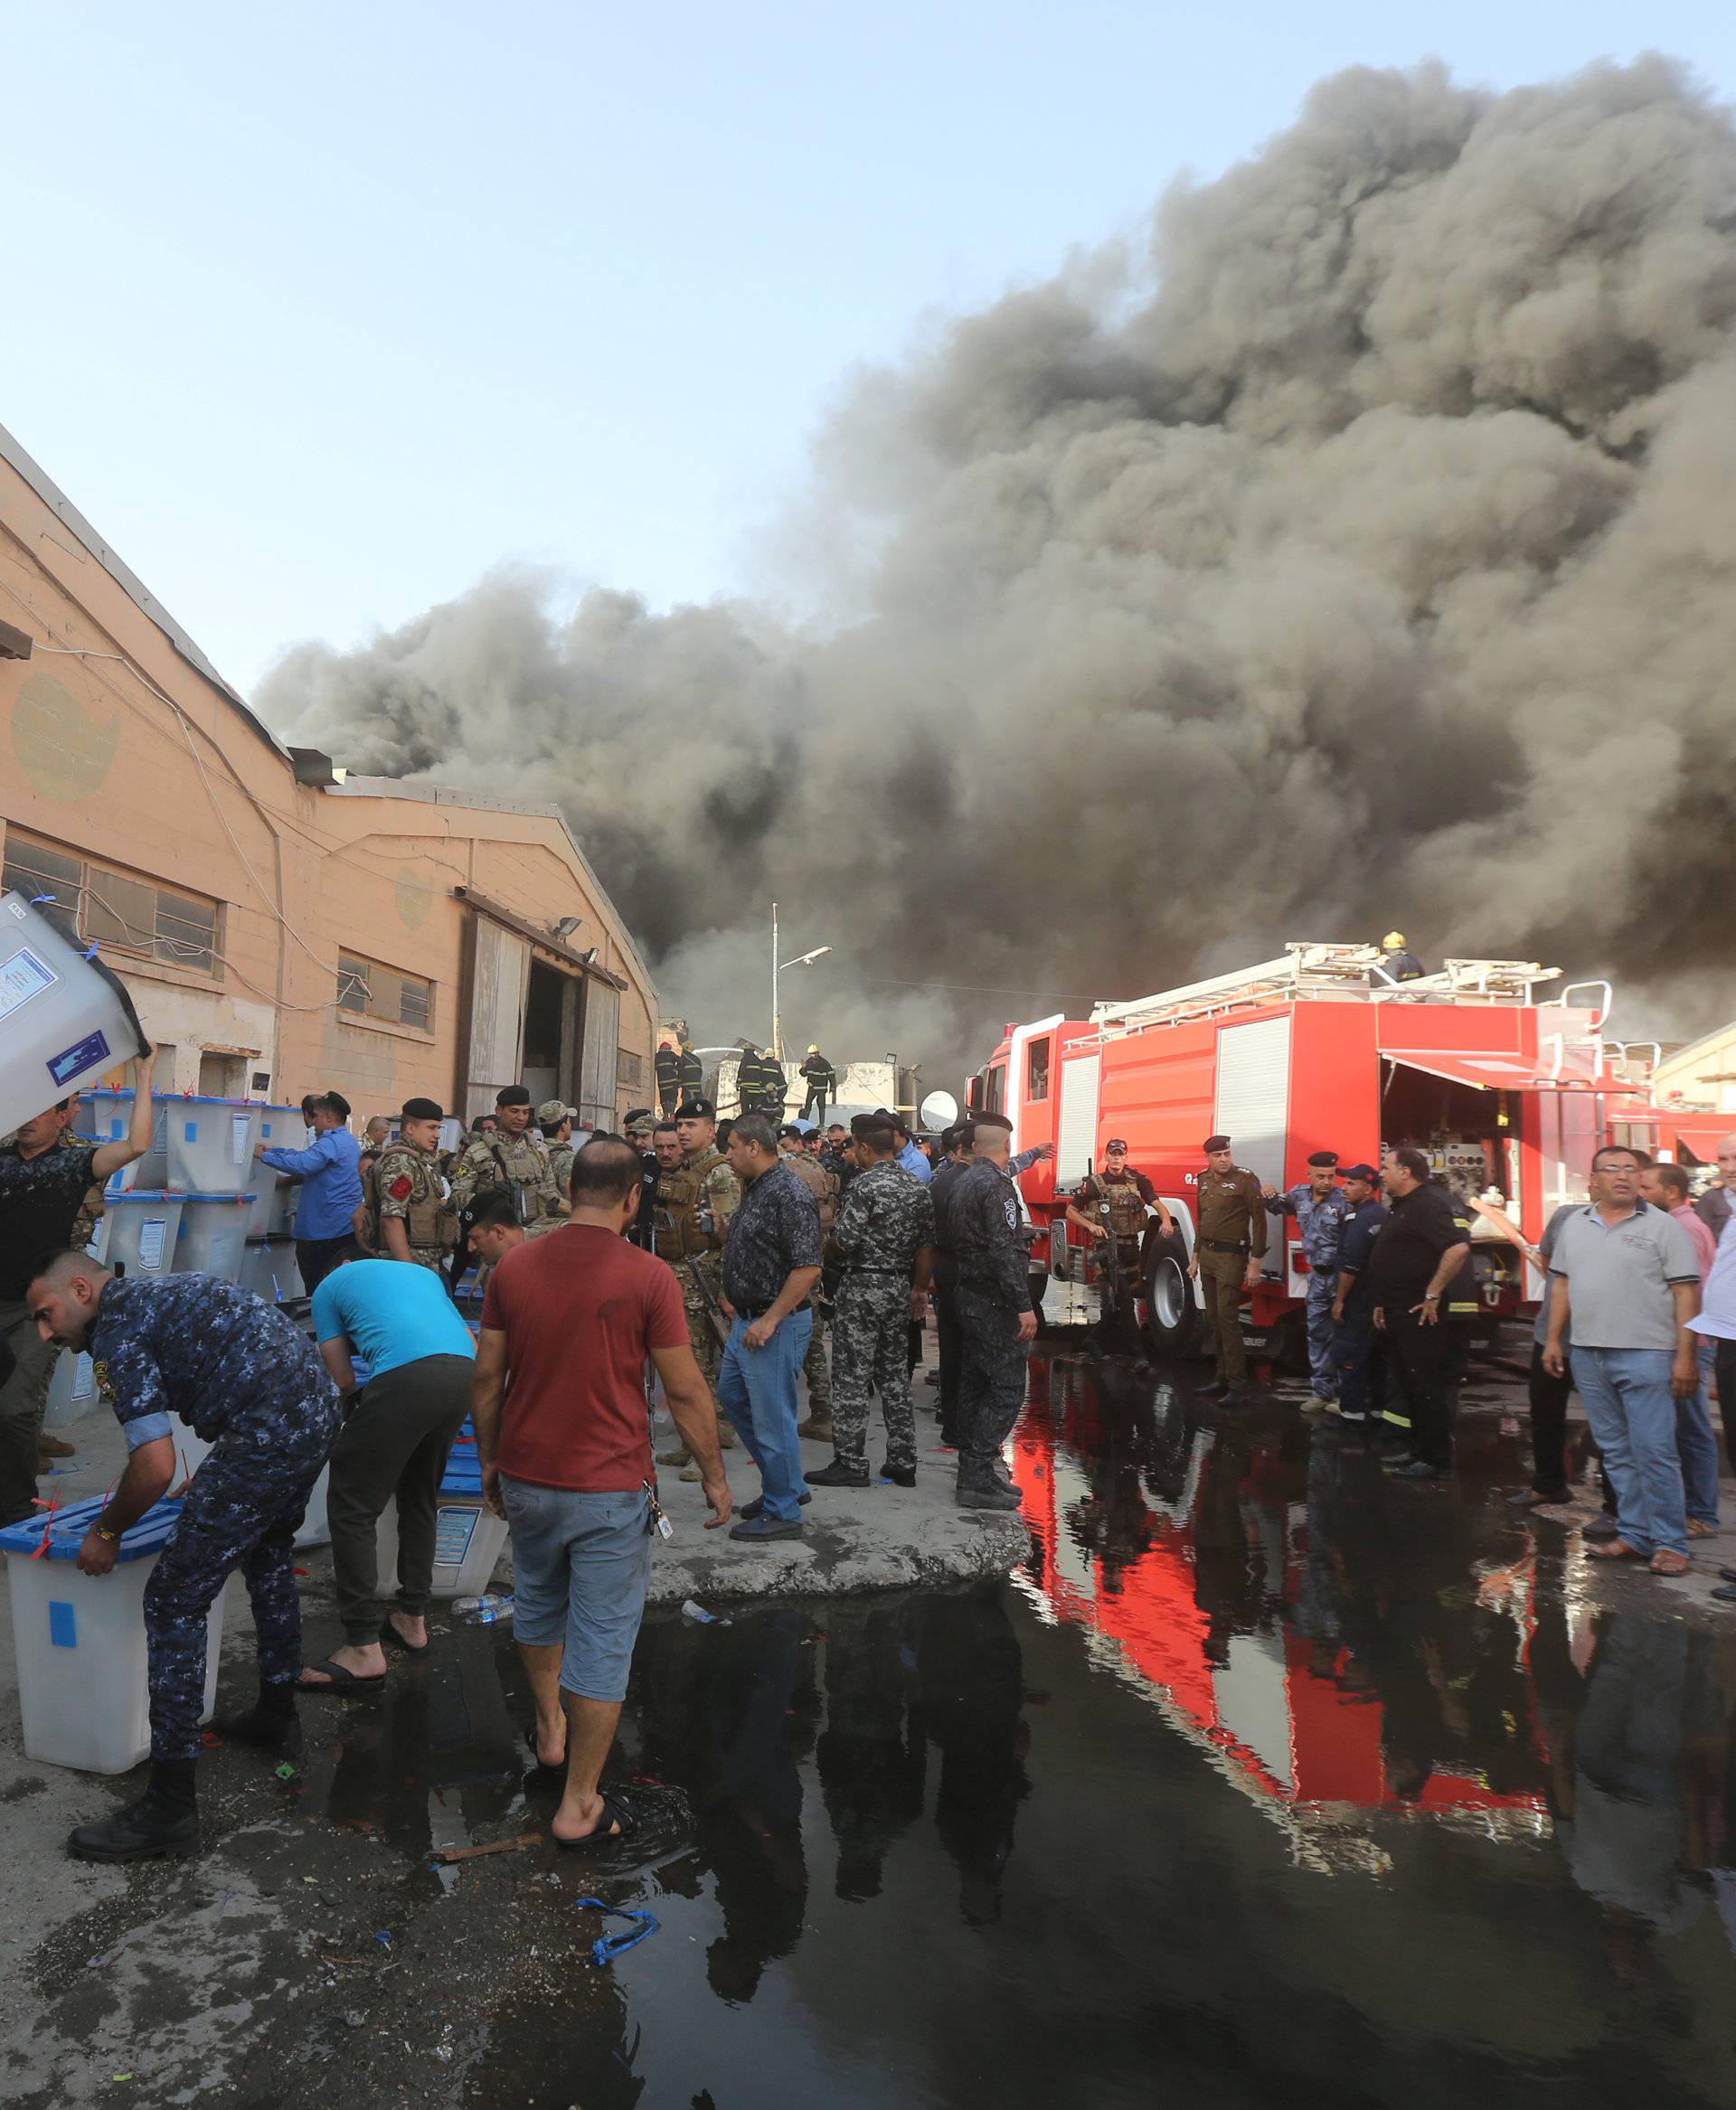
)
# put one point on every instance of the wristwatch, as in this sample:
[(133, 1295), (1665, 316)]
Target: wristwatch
[(102, 1532)]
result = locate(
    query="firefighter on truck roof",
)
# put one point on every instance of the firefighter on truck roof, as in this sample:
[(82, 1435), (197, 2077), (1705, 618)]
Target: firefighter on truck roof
[(1227, 1254), (1126, 1194)]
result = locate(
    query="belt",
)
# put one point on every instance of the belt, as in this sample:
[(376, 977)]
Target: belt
[(741, 1311), (1221, 1246)]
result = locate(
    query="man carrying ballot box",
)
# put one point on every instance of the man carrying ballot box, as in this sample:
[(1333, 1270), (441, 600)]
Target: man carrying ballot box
[(252, 1386)]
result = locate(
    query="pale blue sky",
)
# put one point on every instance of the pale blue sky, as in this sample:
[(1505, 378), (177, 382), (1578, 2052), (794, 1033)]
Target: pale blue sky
[(317, 313)]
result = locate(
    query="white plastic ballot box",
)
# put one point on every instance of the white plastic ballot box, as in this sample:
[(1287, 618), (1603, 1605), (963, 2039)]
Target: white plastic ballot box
[(64, 1019), (80, 1638)]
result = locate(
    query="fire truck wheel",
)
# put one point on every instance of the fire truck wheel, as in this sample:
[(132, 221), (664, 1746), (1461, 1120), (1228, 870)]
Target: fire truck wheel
[(1172, 1319)]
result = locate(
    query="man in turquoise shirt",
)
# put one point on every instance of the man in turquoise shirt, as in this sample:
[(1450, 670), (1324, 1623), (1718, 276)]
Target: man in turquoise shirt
[(397, 1430)]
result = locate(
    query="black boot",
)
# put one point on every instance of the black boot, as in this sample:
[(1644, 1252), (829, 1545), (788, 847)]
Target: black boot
[(164, 1824), (899, 1475), (838, 1473), (983, 1489), (271, 1722)]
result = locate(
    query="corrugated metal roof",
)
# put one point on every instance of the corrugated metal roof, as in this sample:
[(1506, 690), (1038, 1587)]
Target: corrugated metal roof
[(146, 602)]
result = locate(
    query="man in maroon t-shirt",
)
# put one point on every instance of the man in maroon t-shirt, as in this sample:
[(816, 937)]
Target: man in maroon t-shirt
[(564, 1443)]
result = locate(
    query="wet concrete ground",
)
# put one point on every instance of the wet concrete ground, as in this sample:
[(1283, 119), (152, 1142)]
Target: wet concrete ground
[(1265, 1780)]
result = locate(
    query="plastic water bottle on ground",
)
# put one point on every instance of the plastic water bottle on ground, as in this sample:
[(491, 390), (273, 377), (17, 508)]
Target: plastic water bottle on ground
[(700, 1616), (484, 1611)]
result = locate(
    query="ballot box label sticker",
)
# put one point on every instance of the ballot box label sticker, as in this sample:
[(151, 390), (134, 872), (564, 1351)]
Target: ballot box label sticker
[(89, 1054), (153, 1233), (84, 1378), (22, 976), (238, 1128), (453, 1531), (62, 1625)]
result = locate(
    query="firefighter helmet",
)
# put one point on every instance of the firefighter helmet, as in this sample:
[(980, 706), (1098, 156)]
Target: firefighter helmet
[(1393, 942)]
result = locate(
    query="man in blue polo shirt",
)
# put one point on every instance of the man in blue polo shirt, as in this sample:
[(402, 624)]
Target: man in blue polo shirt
[(397, 1431), (330, 1173)]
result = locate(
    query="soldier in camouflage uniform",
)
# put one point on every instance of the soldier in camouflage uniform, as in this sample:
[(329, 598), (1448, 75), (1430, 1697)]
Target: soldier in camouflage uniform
[(885, 1238), (825, 1185), (693, 1207), (511, 1157), (554, 1119), (252, 1386), (417, 1217)]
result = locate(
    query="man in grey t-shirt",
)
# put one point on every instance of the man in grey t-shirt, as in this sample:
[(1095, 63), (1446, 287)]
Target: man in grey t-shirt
[(1625, 1276)]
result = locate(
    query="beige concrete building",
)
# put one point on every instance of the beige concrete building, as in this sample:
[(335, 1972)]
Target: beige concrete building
[(285, 928), (1701, 1074)]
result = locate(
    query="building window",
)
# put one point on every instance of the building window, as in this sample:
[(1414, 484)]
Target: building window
[(995, 1094), (628, 1067), (377, 992), (1036, 1070), (101, 906)]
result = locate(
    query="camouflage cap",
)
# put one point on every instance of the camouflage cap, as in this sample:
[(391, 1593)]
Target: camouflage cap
[(552, 1112)]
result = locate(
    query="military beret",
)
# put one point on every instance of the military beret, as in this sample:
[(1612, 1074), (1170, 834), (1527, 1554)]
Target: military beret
[(422, 1110), (1215, 1143), (552, 1113), (634, 1113), (486, 1202), (998, 1121), (1115, 1143), (1360, 1172), (512, 1095), (339, 1105), (1323, 1157), (696, 1110)]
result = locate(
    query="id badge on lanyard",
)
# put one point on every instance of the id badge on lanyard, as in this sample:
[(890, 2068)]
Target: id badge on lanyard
[(656, 1521)]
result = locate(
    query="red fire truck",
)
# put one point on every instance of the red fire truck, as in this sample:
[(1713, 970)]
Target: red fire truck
[(1505, 1084)]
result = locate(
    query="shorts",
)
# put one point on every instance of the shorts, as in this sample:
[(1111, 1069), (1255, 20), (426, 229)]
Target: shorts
[(581, 1564)]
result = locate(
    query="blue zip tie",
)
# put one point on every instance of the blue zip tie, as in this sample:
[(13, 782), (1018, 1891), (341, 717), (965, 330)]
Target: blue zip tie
[(92, 953), (37, 901), (606, 1947)]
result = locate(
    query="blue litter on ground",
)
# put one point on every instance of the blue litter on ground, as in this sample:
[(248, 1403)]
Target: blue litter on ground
[(607, 1946)]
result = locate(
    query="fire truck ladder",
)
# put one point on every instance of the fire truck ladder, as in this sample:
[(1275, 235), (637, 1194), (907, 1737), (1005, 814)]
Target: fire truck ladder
[(1335, 973)]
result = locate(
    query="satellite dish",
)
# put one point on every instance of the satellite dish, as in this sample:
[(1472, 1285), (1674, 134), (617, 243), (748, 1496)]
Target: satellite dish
[(939, 1110)]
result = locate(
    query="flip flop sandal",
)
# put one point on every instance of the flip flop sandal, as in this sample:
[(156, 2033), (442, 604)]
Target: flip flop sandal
[(341, 1681), (1666, 1560), (1698, 1528), (618, 1814), (1613, 1550), (390, 1634), (542, 1765)]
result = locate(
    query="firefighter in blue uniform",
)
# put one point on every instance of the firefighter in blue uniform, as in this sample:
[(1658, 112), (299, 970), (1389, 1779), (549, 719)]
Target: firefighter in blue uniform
[(1320, 1208), (1358, 1353), (252, 1385)]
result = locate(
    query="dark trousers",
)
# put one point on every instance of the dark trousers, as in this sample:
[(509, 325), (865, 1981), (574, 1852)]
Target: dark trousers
[(1419, 1354), (815, 1103), (1549, 1397), (1358, 1358), (315, 1258), (991, 1381), (666, 1094), (394, 1442), (952, 1349), (242, 1511), (1724, 1369)]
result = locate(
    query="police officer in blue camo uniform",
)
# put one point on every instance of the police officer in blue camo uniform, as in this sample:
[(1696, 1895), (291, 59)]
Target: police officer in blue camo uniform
[(996, 1321), (1320, 1208), (884, 1236), (252, 1386)]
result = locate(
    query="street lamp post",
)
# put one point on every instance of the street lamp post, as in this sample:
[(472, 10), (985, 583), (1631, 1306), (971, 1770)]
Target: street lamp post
[(777, 967)]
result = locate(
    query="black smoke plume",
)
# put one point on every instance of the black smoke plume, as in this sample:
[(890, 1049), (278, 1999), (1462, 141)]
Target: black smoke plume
[(1358, 554)]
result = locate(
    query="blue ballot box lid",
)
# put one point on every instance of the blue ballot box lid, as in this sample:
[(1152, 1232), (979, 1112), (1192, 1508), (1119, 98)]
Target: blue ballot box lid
[(67, 1527)]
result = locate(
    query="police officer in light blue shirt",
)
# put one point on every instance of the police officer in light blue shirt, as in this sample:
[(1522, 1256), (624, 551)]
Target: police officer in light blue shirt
[(1321, 1209), (249, 1384), (330, 1173)]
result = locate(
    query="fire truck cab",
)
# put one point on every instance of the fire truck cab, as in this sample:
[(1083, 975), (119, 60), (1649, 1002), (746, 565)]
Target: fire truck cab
[(1507, 1090)]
